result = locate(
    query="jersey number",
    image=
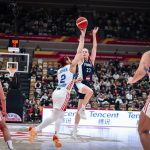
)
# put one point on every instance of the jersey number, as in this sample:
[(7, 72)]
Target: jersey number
[(88, 70), (63, 77)]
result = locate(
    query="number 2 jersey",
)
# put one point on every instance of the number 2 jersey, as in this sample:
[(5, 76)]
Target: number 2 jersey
[(65, 78)]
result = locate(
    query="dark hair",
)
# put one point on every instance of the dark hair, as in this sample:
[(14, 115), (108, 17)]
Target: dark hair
[(62, 60)]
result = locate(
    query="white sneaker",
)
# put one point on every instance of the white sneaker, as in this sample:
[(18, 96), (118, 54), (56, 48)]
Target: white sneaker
[(82, 114), (74, 133)]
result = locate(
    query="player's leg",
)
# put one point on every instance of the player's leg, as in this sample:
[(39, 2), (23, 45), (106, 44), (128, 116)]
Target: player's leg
[(144, 125), (6, 134), (60, 99), (57, 128), (62, 106), (56, 114), (53, 117), (85, 93), (58, 123), (77, 119), (88, 94), (143, 129)]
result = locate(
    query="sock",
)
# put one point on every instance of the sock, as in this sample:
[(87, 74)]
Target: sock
[(9, 144), (54, 116), (75, 126), (83, 107)]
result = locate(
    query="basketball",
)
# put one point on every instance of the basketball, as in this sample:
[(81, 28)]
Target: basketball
[(82, 23)]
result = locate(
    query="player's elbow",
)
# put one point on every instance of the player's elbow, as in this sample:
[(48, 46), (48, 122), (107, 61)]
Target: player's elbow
[(141, 73)]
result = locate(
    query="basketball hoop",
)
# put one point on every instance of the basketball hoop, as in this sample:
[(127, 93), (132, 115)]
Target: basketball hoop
[(12, 71)]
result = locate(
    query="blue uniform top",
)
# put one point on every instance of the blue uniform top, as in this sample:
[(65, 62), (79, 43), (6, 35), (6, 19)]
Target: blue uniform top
[(86, 70)]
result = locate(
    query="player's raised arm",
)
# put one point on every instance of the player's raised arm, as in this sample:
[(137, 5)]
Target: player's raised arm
[(78, 56), (142, 69), (94, 49), (81, 41)]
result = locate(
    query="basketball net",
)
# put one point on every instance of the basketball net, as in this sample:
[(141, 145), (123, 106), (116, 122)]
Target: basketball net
[(11, 71)]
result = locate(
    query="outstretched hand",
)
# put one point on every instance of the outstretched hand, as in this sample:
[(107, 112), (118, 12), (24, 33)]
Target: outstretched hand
[(130, 80), (83, 31), (95, 30)]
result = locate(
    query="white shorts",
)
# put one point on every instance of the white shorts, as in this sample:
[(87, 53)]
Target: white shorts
[(80, 86), (60, 99), (146, 108)]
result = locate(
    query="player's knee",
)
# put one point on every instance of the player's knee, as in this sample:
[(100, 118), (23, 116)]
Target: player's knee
[(142, 132), (143, 135), (90, 92)]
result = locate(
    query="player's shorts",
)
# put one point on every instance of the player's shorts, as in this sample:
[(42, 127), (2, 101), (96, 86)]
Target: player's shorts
[(146, 108), (78, 88), (60, 98)]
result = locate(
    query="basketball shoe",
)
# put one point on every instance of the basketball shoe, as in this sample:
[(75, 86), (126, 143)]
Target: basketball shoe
[(56, 141), (32, 134)]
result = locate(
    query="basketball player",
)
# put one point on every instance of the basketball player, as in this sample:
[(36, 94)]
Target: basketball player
[(3, 126), (61, 94), (84, 81), (144, 122)]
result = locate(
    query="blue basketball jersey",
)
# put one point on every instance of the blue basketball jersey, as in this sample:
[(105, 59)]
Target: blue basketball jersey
[(86, 70)]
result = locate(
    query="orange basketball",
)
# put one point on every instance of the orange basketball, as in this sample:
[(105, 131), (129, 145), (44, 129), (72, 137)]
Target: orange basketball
[(82, 23)]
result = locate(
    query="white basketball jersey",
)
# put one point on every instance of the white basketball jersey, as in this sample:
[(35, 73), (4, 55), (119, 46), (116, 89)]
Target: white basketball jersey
[(65, 78)]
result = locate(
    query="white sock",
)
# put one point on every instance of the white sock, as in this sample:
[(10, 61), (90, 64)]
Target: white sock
[(83, 107), (9, 144), (54, 116), (75, 126)]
